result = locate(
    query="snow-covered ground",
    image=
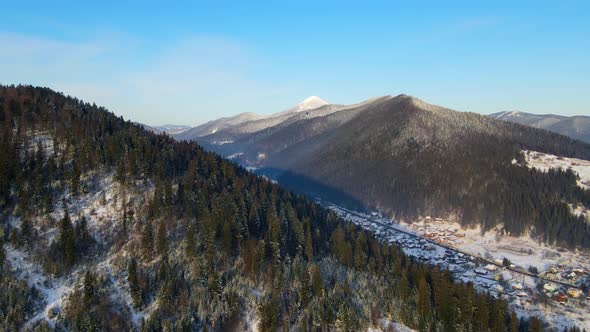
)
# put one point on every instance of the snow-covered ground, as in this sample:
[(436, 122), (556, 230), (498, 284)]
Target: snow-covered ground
[(53, 290), (523, 251), (101, 203), (387, 325), (487, 274), (544, 162)]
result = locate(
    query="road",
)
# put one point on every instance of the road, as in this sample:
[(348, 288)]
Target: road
[(480, 258)]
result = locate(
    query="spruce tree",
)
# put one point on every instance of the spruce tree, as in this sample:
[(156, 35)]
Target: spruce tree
[(66, 240), (147, 239), (133, 280), (90, 291), (161, 242)]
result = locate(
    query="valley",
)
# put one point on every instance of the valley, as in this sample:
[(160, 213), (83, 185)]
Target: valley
[(550, 293), (295, 166)]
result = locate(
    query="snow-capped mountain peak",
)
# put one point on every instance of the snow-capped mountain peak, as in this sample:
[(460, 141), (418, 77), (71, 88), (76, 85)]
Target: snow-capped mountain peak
[(309, 103)]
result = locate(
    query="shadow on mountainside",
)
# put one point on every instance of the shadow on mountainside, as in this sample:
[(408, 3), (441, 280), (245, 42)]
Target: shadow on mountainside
[(312, 188)]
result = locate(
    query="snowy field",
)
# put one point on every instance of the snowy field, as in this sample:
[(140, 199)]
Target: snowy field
[(544, 162)]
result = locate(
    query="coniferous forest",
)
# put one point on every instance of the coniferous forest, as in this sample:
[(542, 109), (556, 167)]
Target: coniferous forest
[(409, 159), (199, 244)]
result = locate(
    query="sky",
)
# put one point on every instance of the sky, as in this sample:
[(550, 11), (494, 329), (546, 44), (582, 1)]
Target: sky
[(190, 62)]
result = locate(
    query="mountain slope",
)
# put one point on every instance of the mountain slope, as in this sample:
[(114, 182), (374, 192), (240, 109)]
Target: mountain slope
[(107, 226), (227, 130), (577, 127), (408, 158), (212, 127), (169, 129), (246, 142)]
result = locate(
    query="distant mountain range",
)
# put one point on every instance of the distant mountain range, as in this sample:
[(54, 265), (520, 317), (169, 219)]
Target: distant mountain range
[(408, 158), (170, 129), (577, 127)]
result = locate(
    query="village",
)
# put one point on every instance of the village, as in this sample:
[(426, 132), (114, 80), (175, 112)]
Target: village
[(558, 294)]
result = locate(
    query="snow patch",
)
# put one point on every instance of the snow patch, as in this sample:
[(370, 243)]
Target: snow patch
[(53, 290), (544, 162)]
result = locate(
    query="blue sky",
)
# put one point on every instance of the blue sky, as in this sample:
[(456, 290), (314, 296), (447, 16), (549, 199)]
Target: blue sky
[(190, 62)]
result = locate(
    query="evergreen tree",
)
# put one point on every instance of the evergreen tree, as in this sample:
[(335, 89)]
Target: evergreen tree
[(133, 280), (66, 241), (147, 239), (90, 291), (161, 242), (308, 243)]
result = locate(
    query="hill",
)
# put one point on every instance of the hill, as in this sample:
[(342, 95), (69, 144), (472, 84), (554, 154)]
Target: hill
[(577, 127), (408, 158), (106, 226)]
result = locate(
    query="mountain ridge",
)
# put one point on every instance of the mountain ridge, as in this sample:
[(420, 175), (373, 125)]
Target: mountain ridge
[(577, 126), (107, 226), (401, 155)]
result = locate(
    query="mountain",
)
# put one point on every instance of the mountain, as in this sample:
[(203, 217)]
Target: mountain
[(169, 129), (577, 127), (307, 104), (408, 158), (212, 127), (225, 130), (107, 226)]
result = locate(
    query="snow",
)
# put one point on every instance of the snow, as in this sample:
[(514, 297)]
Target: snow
[(120, 292), (235, 155), (544, 162), (54, 290), (309, 103), (101, 203), (223, 142), (387, 325), (491, 247)]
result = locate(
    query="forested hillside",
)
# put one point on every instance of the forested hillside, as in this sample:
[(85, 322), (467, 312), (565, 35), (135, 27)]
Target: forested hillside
[(408, 158), (125, 229), (411, 158)]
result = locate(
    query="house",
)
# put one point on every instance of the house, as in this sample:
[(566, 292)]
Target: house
[(561, 298), (521, 294), (574, 292), (491, 267), (571, 275), (517, 286), (549, 288), (498, 288), (481, 271)]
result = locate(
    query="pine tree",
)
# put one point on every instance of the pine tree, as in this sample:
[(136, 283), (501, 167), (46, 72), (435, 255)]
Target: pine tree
[(147, 239), (83, 238), (66, 240), (513, 327), (317, 283), (90, 292), (424, 309), (161, 241), (536, 325), (75, 178), (308, 243), (26, 231), (2, 253), (133, 280)]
